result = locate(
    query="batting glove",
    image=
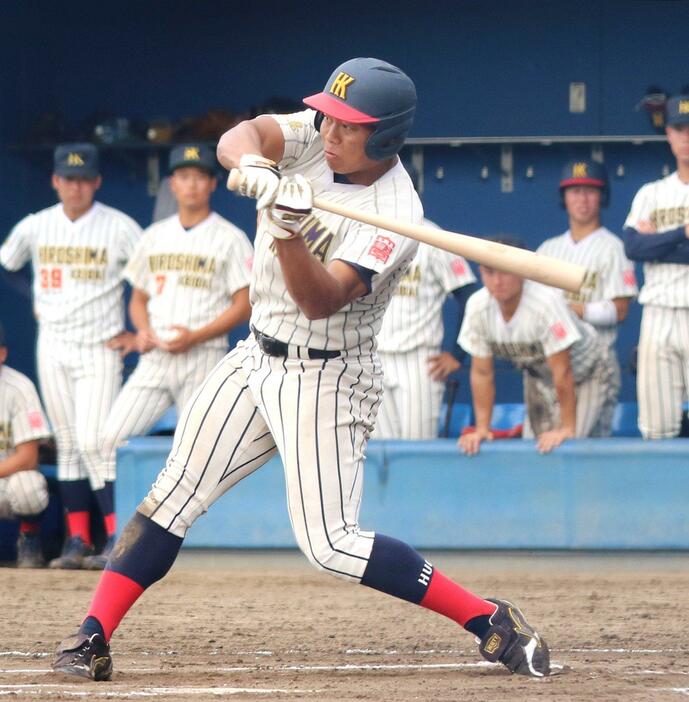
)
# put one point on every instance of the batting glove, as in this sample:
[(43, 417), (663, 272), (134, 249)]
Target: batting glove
[(293, 203), (259, 178)]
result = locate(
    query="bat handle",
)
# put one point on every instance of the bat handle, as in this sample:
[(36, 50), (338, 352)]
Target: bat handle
[(233, 179)]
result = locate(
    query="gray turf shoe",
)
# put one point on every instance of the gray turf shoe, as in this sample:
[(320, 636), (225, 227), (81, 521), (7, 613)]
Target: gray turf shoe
[(511, 641), (73, 555), (85, 656)]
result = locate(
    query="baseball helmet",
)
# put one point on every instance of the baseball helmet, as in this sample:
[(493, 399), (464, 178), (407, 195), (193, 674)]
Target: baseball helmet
[(585, 172), (374, 92)]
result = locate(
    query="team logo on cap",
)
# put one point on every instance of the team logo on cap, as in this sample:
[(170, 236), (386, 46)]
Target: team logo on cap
[(191, 153), (74, 159), (340, 85), (683, 107), (579, 170)]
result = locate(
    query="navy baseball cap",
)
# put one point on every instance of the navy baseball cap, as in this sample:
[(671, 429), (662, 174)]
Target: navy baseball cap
[(198, 155), (76, 161), (677, 110)]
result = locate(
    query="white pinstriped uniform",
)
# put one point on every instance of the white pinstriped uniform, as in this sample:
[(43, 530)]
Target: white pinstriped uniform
[(189, 277), (663, 359), (542, 326), (23, 493), (78, 301), (412, 331), (601, 252), (317, 413)]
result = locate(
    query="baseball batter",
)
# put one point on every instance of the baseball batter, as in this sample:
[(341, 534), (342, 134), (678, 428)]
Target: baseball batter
[(78, 249), (307, 382), (190, 276), (23, 489), (409, 344), (584, 188), (656, 232), (531, 326)]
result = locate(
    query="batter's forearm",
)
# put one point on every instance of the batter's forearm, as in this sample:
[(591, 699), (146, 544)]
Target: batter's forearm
[(261, 136)]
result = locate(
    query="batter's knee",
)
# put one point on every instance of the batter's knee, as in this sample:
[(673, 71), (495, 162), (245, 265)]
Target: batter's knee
[(27, 492), (334, 555)]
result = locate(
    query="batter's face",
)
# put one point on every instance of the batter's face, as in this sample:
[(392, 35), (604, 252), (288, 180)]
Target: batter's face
[(192, 187), (344, 148), (582, 203), (76, 194), (678, 138), (504, 287)]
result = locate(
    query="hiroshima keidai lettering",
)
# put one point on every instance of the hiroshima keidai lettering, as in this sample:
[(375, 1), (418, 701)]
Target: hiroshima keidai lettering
[(6, 436), (518, 351), (72, 255), (670, 217), (188, 263), (425, 575), (409, 284)]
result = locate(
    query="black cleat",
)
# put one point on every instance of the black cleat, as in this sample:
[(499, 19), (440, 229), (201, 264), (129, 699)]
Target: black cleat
[(73, 554), (511, 641), (29, 553), (99, 561), (85, 656)]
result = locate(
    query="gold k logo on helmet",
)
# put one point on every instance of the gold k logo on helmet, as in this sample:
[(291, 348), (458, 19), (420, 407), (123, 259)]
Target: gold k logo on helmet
[(683, 107), (579, 170), (340, 85), (191, 153), (74, 159)]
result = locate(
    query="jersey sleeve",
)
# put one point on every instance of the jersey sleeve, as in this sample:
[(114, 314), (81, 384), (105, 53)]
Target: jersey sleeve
[(130, 237), (137, 271), (28, 420), (473, 337), (558, 331), (16, 249), (621, 278), (240, 257), (299, 133), (642, 205), (452, 271)]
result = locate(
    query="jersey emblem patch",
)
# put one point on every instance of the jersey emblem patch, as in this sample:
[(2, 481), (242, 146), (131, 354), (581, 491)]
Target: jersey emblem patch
[(458, 267), (381, 248), (629, 278), (35, 420), (558, 330)]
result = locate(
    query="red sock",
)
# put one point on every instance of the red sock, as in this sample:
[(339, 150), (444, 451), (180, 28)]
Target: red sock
[(79, 524), (110, 524), (112, 599), (26, 527), (448, 598)]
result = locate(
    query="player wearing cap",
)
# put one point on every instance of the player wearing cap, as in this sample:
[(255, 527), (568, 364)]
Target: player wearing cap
[(567, 363), (23, 489), (307, 382), (190, 277), (78, 249), (656, 232), (584, 188)]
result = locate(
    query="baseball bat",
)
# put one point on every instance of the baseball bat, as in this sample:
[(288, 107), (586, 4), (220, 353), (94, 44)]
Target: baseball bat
[(509, 259)]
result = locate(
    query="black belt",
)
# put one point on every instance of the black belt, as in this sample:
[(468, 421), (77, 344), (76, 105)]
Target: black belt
[(274, 347)]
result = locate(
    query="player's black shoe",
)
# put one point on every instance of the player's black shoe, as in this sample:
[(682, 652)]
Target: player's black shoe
[(511, 641), (29, 553), (84, 655), (99, 561), (73, 554)]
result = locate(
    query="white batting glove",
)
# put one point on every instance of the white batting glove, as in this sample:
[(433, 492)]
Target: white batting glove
[(293, 202), (259, 178)]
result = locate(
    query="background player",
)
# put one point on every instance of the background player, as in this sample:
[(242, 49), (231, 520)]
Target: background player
[(307, 382), (656, 232), (531, 326), (409, 344), (78, 249), (190, 276), (23, 489), (584, 188)]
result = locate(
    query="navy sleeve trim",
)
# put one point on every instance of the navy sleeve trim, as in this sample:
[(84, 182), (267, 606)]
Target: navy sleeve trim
[(653, 247)]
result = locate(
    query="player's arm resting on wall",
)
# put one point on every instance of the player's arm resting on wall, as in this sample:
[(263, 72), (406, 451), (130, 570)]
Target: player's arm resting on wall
[(482, 378), (25, 457), (563, 379)]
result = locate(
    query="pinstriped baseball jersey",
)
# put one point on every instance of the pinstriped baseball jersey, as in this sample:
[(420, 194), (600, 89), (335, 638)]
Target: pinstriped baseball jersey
[(329, 237), (664, 203), (77, 269), (602, 252), (190, 276), (541, 327)]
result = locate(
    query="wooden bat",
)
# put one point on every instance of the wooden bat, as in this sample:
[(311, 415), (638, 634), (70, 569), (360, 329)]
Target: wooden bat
[(509, 259)]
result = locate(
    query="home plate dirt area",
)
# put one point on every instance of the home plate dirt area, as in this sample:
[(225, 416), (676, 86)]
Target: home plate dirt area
[(265, 626)]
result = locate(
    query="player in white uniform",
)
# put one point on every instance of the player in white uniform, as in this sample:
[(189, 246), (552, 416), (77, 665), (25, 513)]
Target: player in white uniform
[(23, 489), (190, 276), (409, 344), (530, 325), (307, 382), (584, 188), (656, 232), (78, 249)]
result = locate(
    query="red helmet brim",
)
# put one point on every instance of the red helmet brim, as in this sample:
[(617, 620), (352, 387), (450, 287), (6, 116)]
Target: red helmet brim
[(332, 107)]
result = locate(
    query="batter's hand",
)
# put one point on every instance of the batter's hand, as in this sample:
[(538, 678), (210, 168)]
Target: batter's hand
[(184, 340), (646, 227), (293, 202), (470, 443), (260, 178), (125, 343), (441, 365), (549, 440)]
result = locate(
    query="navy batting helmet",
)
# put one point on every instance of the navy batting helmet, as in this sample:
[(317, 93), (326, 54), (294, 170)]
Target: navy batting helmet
[(370, 91), (585, 172)]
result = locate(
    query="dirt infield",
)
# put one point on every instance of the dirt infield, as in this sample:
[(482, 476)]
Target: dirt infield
[(265, 626)]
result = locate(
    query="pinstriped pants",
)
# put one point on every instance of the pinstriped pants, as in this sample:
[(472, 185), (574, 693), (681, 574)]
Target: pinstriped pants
[(317, 414)]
